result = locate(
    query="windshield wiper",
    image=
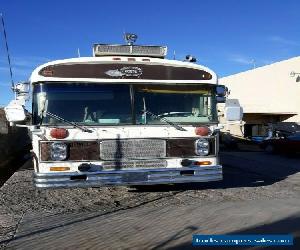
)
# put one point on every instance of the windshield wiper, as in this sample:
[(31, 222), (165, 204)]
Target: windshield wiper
[(84, 129), (43, 103), (165, 120)]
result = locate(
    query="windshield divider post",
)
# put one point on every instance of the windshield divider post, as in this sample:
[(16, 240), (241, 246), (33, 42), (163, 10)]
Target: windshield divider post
[(132, 101)]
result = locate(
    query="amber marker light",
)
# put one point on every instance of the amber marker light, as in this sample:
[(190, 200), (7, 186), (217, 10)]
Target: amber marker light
[(59, 168), (203, 131), (202, 163), (59, 133)]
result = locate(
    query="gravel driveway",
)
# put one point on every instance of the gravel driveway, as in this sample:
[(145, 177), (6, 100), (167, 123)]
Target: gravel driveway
[(258, 191)]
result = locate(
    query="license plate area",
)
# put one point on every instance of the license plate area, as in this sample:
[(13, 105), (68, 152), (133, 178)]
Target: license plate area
[(134, 177)]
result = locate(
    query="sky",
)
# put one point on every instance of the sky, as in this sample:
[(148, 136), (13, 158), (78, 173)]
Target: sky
[(228, 36)]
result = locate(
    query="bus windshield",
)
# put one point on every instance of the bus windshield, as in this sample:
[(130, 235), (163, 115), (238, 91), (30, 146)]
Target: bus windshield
[(181, 104), (123, 104)]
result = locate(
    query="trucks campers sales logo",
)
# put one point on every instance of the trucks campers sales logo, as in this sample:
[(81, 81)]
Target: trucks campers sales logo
[(125, 72)]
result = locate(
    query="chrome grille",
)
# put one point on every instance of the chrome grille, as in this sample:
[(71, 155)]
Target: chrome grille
[(132, 149), (135, 164)]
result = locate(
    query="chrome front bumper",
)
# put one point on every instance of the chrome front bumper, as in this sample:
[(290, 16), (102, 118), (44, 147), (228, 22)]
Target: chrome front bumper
[(128, 177)]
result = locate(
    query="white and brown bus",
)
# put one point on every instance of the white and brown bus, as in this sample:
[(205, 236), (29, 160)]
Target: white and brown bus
[(126, 116)]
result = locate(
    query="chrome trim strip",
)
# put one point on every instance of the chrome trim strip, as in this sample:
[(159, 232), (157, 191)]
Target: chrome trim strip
[(128, 177)]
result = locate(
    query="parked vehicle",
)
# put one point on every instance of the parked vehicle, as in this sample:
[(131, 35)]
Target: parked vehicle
[(283, 138), (126, 116)]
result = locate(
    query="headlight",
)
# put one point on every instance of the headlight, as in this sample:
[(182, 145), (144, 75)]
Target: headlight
[(58, 151), (202, 147)]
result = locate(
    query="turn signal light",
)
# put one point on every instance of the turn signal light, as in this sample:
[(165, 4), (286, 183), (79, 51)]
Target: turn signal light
[(59, 168), (59, 133), (202, 163), (203, 131)]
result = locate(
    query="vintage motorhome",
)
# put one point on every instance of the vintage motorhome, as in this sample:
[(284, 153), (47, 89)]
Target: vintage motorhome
[(126, 116)]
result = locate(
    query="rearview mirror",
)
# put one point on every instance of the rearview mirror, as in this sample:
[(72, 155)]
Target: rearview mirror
[(15, 112)]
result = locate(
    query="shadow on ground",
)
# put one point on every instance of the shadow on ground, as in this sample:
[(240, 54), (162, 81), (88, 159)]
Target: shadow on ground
[(239, 170), (232, 178), (15, 164)]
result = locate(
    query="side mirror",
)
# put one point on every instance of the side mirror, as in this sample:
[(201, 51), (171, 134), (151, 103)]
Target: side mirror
[(22, 91), (233, 110), (221, 99), (15, 112), (221, 92)]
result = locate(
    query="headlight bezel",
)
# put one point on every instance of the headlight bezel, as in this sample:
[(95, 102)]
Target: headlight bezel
[(58, 151), (202, 147)]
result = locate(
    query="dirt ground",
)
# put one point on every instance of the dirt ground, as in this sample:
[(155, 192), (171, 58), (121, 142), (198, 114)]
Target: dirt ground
[(259, 193)]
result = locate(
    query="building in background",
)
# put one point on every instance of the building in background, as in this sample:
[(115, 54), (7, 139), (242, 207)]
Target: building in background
[(267, 94)]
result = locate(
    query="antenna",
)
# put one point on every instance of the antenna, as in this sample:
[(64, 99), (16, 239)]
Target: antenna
[(8, 57)]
